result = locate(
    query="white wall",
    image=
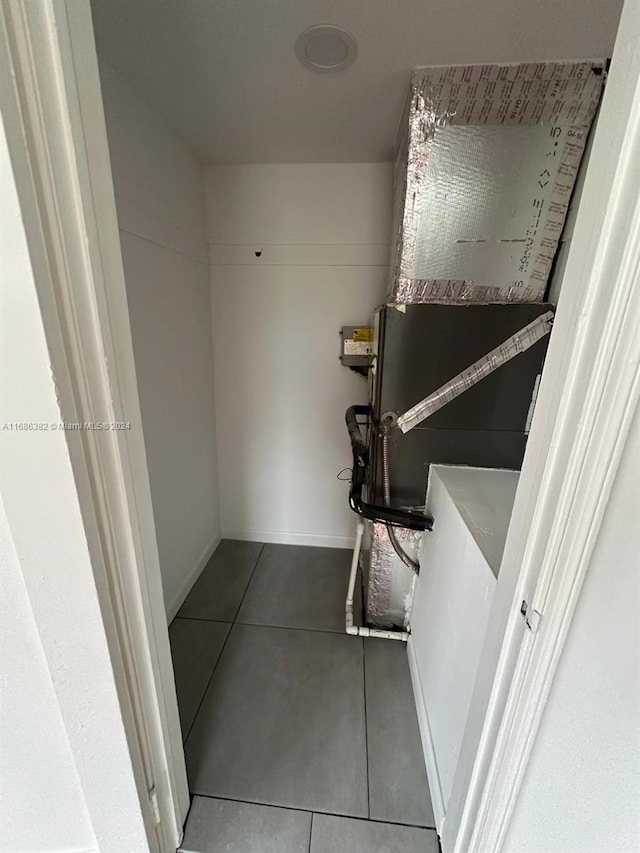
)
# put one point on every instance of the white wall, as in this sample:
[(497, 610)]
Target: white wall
[(581, 790), (66, 780), (281, 392), (42, 805), (159, 196), (451, 609)]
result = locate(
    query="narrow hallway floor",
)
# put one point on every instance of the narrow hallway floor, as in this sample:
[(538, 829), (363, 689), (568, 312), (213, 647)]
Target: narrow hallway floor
[(298, 738)]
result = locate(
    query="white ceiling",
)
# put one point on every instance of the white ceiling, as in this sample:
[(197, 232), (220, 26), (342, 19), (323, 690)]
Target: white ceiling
[(225, 75)]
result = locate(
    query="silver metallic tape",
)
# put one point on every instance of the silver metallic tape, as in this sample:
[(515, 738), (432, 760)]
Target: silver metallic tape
[(454, 112), (390, 583), (513, 346)]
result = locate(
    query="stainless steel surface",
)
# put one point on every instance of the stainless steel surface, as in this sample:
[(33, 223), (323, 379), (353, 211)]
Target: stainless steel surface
[(422, 348), (408, 561), (512, 347)]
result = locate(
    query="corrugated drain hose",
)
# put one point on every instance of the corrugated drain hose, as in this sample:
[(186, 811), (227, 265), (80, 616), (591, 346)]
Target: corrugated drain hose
[(386, 493)]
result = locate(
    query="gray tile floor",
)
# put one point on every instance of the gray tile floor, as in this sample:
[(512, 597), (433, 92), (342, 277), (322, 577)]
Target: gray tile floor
[(298, 737)]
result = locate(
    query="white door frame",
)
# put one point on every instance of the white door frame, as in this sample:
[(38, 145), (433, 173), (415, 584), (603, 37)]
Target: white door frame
[(589, 392), (59, 150), (55, 128)]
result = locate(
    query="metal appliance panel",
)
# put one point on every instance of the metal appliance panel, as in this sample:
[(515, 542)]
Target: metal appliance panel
[(422, 348)]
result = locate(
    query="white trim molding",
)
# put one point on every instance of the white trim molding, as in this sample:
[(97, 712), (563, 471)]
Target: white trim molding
[(589, 393), (58, 146), (290, 537), (191, 578)]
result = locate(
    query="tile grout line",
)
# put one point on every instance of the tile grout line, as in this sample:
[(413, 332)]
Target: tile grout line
[(292, 628), (246, 589), (366, 727), (260, 625), (204, 693), (312, 811), (224, 645), (202, 619)]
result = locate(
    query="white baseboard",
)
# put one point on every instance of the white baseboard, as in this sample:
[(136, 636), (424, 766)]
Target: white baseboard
[(192, 577), (433, 776), (286, 537)]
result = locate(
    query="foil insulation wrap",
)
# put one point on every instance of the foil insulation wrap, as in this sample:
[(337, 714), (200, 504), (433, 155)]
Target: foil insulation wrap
[(388, 583), (487, 158)]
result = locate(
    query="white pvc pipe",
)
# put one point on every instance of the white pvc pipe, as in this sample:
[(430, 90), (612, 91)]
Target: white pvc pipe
[(350, 628), (352, 578)]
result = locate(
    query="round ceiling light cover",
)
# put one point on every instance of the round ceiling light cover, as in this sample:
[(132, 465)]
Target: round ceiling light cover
[(326, 48)]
